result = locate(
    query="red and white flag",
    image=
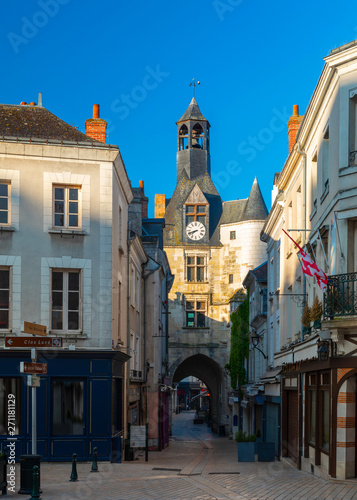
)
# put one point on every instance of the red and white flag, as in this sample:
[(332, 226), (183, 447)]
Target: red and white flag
[(310, 268)]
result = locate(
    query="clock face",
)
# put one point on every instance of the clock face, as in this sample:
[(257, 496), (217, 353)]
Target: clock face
[(195, 230)]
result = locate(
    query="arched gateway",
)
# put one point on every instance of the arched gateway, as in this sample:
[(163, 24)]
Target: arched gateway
[(210, 372)]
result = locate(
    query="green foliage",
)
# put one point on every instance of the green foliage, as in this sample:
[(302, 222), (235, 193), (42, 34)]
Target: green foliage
[(239, 344), (241, 437)]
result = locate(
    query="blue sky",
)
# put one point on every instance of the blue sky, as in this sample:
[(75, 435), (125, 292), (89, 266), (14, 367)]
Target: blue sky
[(253, 58)]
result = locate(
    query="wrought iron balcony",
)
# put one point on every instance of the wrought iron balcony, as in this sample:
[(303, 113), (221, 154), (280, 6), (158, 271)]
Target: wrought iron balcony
[(340, 298)]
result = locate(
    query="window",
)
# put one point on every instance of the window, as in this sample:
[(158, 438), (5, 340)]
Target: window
[(66, 206), (196, 268), (4, 299), (325, 167), (196, 313), (66, 298), (10, 386), (67, 407), (230, 278), (232, 235), (4, 203), (353, 126), (196, 212)]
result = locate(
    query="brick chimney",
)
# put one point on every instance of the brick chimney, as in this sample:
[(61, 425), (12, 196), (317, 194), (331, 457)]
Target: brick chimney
[(144, 201), (293, 126), (96, 128), (160, 206)]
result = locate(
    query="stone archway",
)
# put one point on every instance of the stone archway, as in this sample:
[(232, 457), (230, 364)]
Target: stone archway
[(207, 370)]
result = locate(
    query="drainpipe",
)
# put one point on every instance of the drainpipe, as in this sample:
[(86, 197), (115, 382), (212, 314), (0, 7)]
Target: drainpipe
[(300, 375)]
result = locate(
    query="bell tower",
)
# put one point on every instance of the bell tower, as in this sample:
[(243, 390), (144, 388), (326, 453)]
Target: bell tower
[(193, 143)]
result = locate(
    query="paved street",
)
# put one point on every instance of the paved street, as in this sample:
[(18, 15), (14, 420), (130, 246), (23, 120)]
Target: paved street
[(198, 465)]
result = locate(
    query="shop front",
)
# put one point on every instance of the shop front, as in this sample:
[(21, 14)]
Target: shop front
[(79, 404)]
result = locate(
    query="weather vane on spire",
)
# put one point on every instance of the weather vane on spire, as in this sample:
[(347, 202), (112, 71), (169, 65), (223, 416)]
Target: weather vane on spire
[(194, 84)]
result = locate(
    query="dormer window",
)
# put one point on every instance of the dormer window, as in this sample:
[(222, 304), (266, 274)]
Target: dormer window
[(196, 213)]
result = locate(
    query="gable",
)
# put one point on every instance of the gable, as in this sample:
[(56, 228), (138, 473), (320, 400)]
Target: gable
[(196, 196)]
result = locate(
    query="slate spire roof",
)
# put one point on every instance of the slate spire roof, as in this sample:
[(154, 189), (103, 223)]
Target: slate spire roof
[(252, 208), (23, 122), (256, 208), (193, 112)]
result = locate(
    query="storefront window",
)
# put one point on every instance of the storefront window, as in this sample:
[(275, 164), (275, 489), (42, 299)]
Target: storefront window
[(10, 405), (68, 407), (326, 420)]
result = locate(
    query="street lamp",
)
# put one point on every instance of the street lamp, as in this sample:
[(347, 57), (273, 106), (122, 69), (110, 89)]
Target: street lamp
[(323, 351), (255, 341)]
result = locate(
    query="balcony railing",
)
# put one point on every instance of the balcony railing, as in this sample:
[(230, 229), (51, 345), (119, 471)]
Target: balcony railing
[(340, 298)]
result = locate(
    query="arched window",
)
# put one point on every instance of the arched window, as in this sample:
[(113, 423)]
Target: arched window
[(197, 136), (183, 138)]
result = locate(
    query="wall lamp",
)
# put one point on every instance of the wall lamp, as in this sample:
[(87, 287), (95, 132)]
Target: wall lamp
[(255, 341), (325, 348)]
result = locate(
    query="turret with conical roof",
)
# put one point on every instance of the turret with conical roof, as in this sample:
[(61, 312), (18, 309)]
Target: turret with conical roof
[(193, 142), (255, 208)]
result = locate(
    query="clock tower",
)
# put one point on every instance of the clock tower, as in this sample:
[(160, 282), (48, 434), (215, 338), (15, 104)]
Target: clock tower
[(211, 245)]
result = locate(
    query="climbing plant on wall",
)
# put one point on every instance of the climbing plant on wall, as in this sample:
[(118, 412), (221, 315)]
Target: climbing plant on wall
[(239, 345)]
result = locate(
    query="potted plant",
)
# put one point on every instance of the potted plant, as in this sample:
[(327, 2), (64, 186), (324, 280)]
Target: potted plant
[(306, 319), (3, 472), (246, 443), (316, 313)]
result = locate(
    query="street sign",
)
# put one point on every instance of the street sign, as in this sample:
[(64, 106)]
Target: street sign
[(34, 328), (33, 342), (33, 381), (40, 368), (137, 436)]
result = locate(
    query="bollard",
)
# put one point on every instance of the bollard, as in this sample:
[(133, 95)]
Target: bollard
[(35, 484), (94, 463), (74, 475)]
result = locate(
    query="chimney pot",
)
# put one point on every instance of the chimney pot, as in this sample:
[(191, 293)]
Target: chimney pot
[(32, 104), (23, 103), (95, 110), (296, 110)]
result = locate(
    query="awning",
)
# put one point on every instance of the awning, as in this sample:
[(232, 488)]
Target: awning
[(270, 376)]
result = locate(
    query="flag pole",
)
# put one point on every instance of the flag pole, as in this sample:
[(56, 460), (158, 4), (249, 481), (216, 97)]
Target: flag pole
[(288, 235)]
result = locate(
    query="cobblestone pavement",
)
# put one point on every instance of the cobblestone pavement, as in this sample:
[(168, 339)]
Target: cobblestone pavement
[(197, 465)]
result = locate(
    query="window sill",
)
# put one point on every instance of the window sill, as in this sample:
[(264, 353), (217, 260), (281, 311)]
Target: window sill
[(351, 169), (68, 335), (313, 213), (197, 282), (4, 333), (325, 193), (195, 328), (7, 229), (67, 232)]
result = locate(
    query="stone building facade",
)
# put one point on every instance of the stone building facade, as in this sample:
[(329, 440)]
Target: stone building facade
[(210, 245)]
